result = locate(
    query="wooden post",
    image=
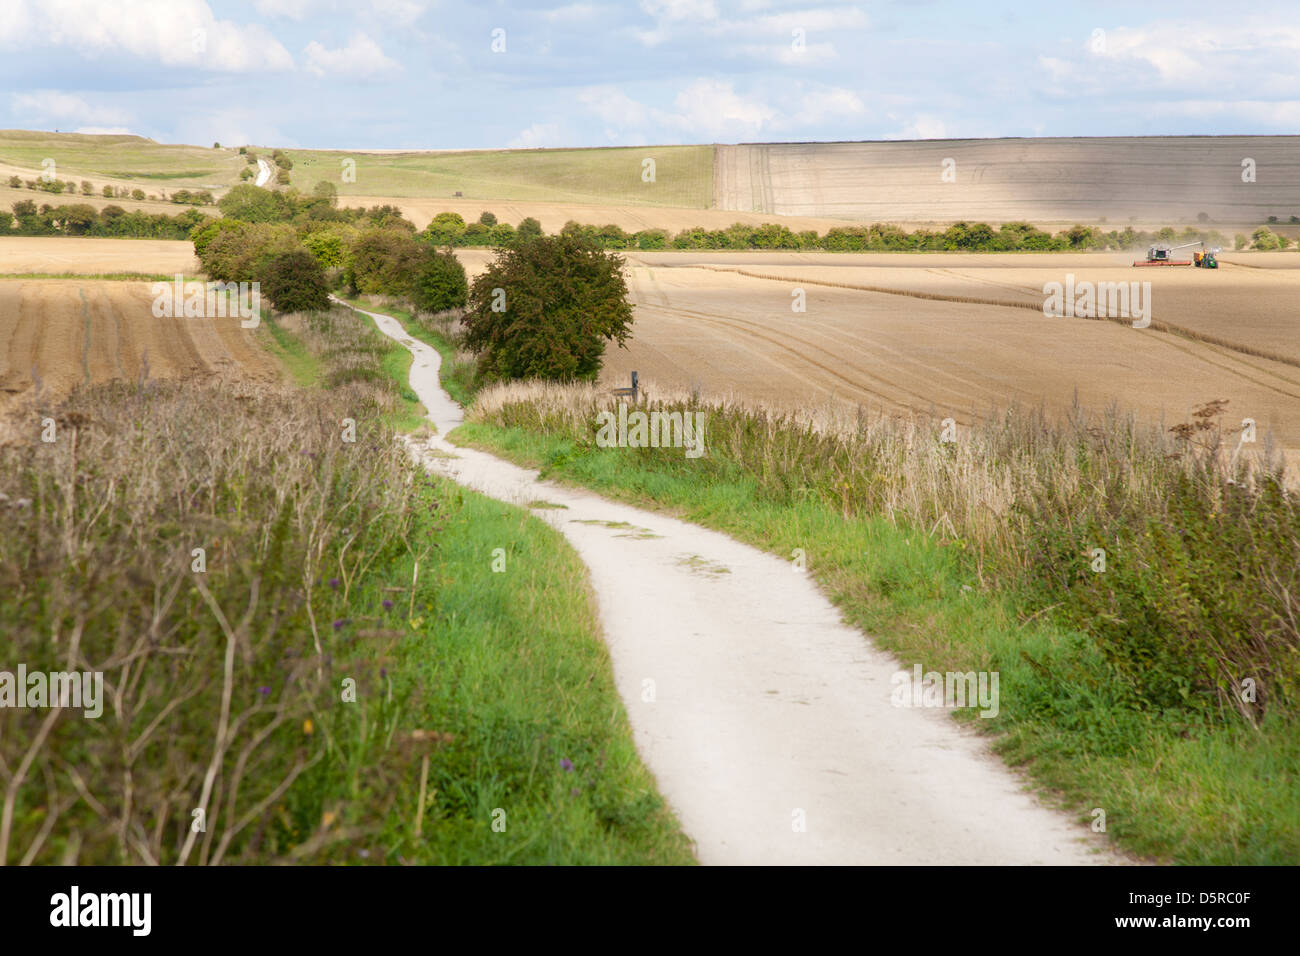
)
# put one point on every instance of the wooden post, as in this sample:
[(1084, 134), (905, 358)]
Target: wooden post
[(634, 387)]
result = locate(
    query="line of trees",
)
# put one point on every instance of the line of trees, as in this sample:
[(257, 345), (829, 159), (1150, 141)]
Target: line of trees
[(186, 197), (450, 229), (83, 219)]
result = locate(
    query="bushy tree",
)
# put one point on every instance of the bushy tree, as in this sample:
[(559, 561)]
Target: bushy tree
[(330, 246), (446, 229), (295, 282), (137, 195), (385, 262), (440, 283), (530, 228), (546, 307), (487, 218), (1264, 239), (255, 204), (326, 191)]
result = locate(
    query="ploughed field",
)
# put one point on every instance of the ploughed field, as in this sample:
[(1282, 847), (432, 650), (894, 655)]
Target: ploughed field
[(64, 332), (957, 335)]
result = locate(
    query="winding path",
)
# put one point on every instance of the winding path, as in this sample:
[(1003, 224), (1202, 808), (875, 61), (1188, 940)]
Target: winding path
[(753, 705)]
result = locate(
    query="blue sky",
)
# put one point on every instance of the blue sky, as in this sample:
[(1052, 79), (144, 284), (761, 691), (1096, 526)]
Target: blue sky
[(423, 73)]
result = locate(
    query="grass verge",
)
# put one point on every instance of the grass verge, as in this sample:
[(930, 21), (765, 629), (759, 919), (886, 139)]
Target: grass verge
[(1106, 703)]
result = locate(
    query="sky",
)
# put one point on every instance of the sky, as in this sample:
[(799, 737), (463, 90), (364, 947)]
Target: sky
[(396, 74)]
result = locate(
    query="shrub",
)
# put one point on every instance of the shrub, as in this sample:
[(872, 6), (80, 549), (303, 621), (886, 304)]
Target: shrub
[(440, 283), (1264, 239), (530, 228), (546, 307), (487, 218), (651, 239), (137, 195), (295, 282), (6, 222), (15, 182)]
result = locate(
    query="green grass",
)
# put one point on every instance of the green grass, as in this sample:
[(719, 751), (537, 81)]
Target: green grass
[(78, 155), (457, 378), (1173, 790), (303, 367), (511, 664), (683, 175)]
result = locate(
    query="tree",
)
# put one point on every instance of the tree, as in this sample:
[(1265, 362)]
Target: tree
[(216, 145), (487, 218), (137, 195), (282, 177), (255, 204), (546, 307), (530, 228), (446, 229), (15, 182), (439, 283), (327, 191), (77, 219), (329, 246), (385, 262), (108, 192), (295, 282)]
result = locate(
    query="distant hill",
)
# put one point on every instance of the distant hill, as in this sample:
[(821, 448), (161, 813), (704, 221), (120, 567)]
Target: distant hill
[(1162, 180)]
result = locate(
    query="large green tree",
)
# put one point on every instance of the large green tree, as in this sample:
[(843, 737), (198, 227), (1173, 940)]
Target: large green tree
[(546, 308), (440, 283)]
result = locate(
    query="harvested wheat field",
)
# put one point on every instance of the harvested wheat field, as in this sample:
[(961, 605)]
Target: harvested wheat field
[(89, 256), (915, 341), (65, 333), (1144, 180)]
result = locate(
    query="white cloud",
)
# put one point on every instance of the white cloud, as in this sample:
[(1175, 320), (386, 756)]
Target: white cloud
[(362, 57), (292, 9), (170, 32), (1203, 56), (55, 108), (613, 106), (398, 13), (713, 108), (922, 126), (572, 13), (539, 134), (833, 103)]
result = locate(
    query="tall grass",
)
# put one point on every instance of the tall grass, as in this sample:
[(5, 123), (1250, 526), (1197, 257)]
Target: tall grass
[(1201, 583), (222, 670), (338, 676)]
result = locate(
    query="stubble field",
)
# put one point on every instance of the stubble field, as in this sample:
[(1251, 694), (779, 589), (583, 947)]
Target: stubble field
[(60, 333), (709, 322)]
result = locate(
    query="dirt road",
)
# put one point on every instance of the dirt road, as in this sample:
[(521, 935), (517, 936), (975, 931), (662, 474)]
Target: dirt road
[(767, 722)]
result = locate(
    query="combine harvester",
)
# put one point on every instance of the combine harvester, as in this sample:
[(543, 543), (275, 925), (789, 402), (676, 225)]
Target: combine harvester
[(1162, 255)]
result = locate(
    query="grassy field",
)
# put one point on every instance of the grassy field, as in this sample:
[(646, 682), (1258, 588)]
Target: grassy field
[(1119, 690), (683, 175), (121, 159)]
